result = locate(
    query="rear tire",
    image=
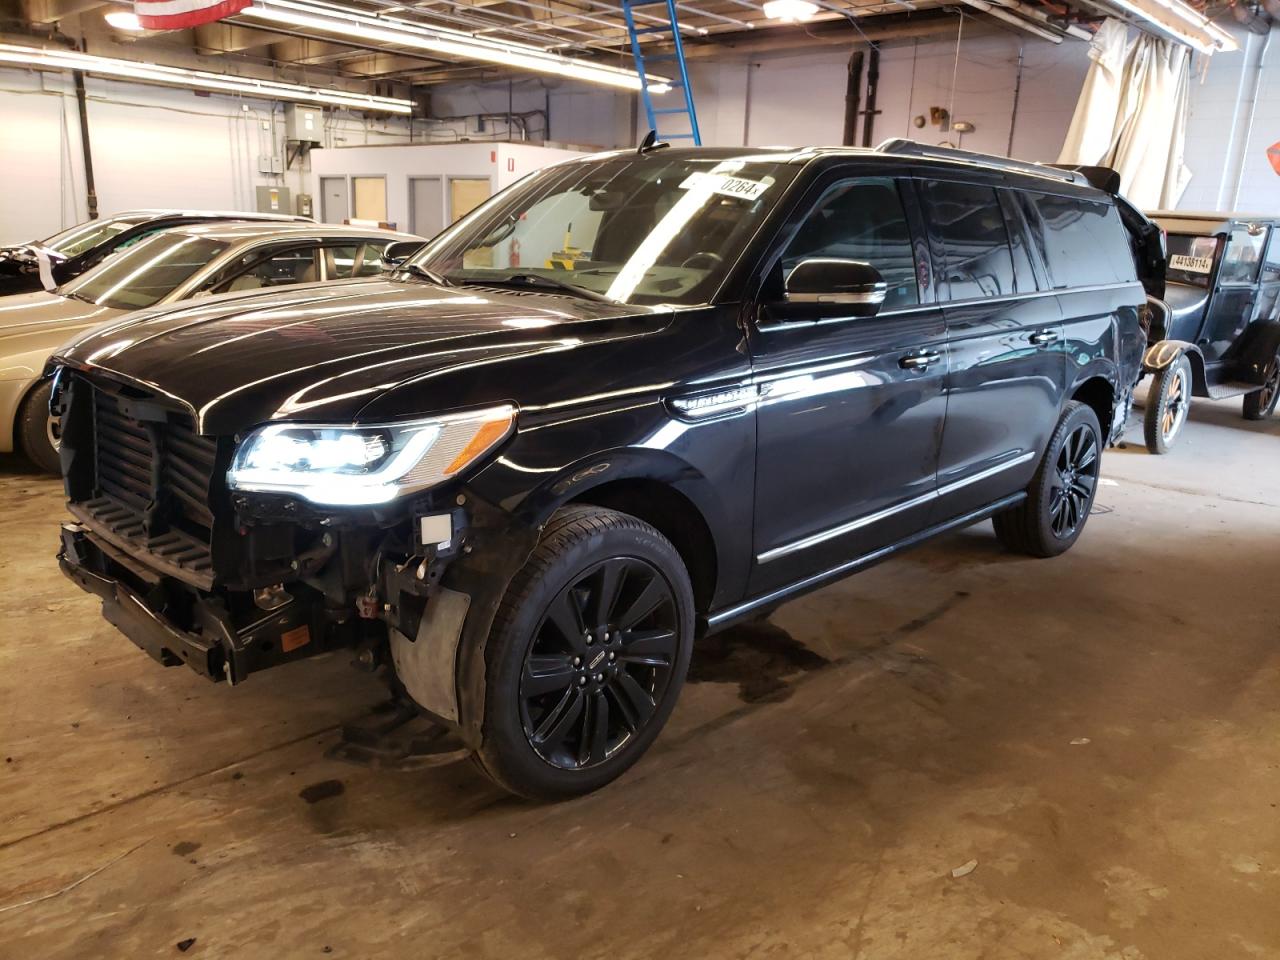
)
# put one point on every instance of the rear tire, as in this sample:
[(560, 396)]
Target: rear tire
[(1262, 403), (1168, 402), (1061, 493), (587, 655), (35, 430)]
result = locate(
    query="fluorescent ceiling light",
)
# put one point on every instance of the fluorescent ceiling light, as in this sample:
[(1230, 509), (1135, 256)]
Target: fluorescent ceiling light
[(790, 11), (123, 20), (1199, 31), (48, 58), (347, 24)]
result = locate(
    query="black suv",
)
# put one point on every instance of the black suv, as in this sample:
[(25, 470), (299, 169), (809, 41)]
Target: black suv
[(631, 400)]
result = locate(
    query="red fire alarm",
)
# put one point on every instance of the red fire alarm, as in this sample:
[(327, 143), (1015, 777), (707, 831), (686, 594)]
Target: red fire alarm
[(1273, 154)]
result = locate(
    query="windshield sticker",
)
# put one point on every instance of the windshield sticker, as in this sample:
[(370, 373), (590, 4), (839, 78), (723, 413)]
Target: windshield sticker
[(1191, 264), (728, 186)]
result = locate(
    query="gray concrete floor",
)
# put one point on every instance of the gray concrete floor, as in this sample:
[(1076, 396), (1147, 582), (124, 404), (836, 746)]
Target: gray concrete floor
[(1099, 733)]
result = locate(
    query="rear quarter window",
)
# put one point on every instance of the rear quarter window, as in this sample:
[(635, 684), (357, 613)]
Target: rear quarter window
[(1083, 243)]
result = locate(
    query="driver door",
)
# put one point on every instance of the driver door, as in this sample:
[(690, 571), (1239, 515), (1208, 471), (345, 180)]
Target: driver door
[(851, 408), (1231, 306)]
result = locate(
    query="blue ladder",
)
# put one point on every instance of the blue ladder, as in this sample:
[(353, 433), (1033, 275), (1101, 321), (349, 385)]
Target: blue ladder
[(680, 83)]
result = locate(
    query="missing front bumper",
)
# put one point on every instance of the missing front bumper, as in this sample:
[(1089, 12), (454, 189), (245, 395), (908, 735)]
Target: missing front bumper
[(217, 649)]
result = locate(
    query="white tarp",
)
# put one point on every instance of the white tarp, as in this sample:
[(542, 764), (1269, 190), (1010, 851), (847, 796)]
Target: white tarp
[(1132, 114)]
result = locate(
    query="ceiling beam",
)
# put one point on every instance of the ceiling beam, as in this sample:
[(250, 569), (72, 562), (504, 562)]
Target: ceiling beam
[(51, 11)]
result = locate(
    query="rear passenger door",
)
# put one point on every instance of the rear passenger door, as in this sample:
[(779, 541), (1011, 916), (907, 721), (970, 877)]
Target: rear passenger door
[(1007, 375)]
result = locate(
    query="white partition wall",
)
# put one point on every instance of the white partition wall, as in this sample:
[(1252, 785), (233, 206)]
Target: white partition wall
[(428, 186)]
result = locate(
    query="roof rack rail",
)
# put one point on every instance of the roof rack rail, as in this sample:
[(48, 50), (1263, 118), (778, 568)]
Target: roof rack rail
[(913, 148)]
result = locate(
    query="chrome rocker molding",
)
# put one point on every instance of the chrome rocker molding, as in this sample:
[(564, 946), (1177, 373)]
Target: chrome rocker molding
[(724, 618), (830, 534)]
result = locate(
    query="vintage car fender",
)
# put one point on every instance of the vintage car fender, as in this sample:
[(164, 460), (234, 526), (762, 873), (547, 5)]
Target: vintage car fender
[(1164, 353)]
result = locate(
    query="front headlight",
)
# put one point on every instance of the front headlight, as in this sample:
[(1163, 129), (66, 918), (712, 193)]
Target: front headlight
[(365, 464)]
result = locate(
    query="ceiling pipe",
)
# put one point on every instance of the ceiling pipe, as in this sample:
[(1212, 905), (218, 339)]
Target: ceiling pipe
[(1070, 29), (1001, 13)]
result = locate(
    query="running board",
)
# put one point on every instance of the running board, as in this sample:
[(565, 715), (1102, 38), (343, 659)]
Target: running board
[(1231, 388), (725, 618)]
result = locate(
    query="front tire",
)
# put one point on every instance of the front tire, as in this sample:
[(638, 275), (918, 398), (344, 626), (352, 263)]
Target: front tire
[(1061, 493), (1168, 402), (1262, 403), (587, 655), (36, 430)]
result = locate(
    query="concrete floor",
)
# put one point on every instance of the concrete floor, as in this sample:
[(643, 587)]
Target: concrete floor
[(1099, 733)]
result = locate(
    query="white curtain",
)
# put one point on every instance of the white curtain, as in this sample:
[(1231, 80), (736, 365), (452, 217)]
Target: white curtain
[(1132, 114)]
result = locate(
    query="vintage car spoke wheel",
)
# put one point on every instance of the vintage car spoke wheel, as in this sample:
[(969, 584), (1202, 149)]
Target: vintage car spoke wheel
[(599, 663), (1262, 403), (1061, 493), (1168, 403), (587, 655)]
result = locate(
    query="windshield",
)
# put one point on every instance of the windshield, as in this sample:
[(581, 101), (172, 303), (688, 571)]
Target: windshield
[(85, 236), (635, 229), (144, 273), (1191, 259)]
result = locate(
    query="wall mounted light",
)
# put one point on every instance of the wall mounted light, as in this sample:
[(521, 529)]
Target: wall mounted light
[(123, 20), (52, 58)]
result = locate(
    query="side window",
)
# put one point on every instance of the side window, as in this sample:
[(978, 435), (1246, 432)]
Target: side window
[(1271, 264), (967, 219), (281, 269), (353, 260), (1024, 274), (1244, 253), (861, 220), (1082, 242)]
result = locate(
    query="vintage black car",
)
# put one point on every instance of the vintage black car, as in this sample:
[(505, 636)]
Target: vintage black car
[(633, 399), (45, 264), (1216, 333)]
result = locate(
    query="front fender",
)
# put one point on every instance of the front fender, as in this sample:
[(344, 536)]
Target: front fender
[(1164, 353)]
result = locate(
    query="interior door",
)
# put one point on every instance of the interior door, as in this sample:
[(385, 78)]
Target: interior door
[(335, 201), (426, 206), (1007, 373), (850, 408)]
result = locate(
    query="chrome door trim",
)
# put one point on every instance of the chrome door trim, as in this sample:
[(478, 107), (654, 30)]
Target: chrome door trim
[(831, 533)]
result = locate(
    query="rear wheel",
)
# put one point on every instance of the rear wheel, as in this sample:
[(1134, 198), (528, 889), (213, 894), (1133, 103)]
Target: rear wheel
[(587, 655), (1262, 403), (1061, 493), (37, 430), (1168, 402)]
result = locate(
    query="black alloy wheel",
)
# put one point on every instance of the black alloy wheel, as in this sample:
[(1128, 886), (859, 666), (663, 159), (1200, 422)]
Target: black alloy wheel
[(1075, 481), (599, 664)]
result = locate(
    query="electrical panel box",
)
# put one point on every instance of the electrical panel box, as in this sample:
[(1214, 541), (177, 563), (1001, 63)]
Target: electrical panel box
[(303, 123), (273, 199), (267, 164), (303, 206)]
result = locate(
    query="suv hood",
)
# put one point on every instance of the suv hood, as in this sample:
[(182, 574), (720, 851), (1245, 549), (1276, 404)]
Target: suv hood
[(325, 353)]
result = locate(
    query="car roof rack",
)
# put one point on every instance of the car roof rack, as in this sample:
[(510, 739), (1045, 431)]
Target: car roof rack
[(900, 146)]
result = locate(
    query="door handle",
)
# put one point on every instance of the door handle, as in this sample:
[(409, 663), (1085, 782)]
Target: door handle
[(918, 361), (1043, 337)]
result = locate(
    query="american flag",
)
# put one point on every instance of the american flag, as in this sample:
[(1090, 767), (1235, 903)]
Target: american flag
[(180, 14)]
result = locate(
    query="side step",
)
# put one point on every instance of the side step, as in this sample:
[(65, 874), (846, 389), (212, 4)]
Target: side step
[(1231, 388)]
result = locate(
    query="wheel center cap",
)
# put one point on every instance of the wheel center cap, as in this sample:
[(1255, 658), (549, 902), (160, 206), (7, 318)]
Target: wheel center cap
[(595, 662)]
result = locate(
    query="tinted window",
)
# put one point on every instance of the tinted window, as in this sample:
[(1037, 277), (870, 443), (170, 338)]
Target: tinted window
[(861, 220), (1271, 265), (1244, 253), (141, 275), (1024, 275), (967, 219), (1083, 242)]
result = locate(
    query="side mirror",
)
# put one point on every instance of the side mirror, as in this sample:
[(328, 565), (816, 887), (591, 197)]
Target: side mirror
[(398, 252), (851, 284)]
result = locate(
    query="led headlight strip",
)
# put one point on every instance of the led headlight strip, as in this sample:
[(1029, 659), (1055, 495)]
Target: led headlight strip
[(345, 23), (52, 58), (349, 465)]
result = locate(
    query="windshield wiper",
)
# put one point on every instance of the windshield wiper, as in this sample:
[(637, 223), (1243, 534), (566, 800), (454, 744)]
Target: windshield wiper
[(538, 280), (423, 273)]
